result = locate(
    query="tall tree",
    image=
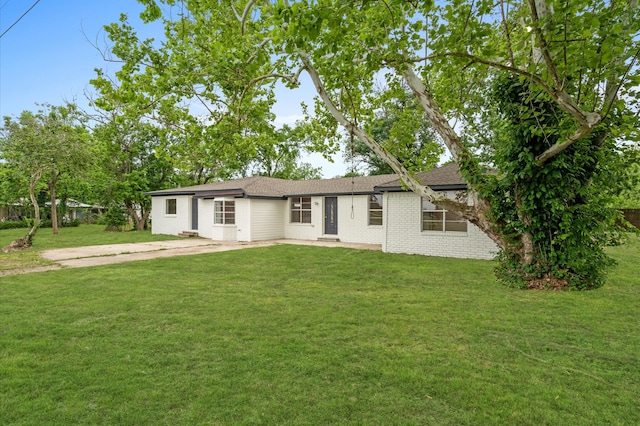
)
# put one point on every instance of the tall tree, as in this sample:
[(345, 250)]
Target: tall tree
[(12, 186), (131, 164), (46, 145), (210, 92), (400, 126), (280, 157), (569, 70)]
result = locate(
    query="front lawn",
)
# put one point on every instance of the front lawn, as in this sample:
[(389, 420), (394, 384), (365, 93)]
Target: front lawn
[(67, 237), (309, 335)]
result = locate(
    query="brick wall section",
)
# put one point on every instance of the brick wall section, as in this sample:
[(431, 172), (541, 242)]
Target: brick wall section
[(403, 215), (633, 216), (354, 228)]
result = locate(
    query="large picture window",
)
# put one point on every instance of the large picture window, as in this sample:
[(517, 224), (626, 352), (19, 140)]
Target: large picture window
[(170, 206), (375, 209), (224, 212), (435, 218), (301, 210)]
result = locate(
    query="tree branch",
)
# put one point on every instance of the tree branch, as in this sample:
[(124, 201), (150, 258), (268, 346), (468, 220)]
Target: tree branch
[(612, 89), (536, 14), (245, 14), (413, 184), (257, 49), (435, 116), (235, 12), (507, 33), (564, 101), (557, 148)]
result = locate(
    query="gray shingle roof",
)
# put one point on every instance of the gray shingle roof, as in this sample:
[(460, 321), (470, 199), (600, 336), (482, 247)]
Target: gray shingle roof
[(337, 186), (260, 186), (445, 176)]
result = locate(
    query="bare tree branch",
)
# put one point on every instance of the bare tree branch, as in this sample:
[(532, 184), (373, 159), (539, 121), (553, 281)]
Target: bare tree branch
[(245, 14), (235, 12)]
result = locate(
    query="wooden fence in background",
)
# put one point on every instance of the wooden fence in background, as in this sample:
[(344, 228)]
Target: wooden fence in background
[(633, 216)]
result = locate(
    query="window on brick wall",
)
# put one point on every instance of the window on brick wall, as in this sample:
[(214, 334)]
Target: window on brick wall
[(435, 218), (375, 209)]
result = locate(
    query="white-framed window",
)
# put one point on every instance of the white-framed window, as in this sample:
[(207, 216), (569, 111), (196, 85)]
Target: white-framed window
[(375, 209), (224, 212), (301, 210), (435, 218), (171, 206)]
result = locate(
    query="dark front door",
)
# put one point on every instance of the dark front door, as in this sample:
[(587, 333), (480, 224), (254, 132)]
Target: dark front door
[(331, 215), (194, 214)]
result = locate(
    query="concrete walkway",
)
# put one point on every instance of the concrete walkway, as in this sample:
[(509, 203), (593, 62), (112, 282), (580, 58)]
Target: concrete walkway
[(86, 256)]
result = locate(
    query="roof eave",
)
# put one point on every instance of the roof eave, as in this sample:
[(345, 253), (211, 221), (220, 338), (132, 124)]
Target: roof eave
[(449, 187), (330, 194)]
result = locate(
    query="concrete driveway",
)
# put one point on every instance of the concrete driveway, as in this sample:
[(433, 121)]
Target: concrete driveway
[(81, 257)]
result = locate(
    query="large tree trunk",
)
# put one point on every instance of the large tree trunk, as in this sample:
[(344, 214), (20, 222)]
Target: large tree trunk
[(138, 221), (33, 182), (27, 240)]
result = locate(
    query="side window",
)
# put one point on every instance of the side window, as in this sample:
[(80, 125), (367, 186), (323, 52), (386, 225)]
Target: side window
[(375, 209), (301, 210), (435, 218), (170, 206), (224, 212)]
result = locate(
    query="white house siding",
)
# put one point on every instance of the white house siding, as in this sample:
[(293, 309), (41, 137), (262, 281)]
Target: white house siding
[(205, 218), (229, 232), (403, 219), (163, 223), (352, 230), (304, 231), (265, 220), (356, 229)]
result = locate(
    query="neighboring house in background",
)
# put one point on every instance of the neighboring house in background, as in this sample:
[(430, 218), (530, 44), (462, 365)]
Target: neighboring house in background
[(81, 211), (75, 210), (364, 209), (78, 210), (15, 211)]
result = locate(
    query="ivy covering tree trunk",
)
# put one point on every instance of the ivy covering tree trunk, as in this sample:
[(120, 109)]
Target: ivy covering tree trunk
[(554, 216)]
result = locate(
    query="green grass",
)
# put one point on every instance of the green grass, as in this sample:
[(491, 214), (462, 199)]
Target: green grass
[(67, 237), (309, 335)]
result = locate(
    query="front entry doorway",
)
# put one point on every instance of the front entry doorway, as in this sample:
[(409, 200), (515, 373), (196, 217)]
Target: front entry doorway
[(194, 214), (331, 215)]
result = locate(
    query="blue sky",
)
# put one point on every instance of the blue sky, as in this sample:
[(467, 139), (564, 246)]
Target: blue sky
[(45, 58)]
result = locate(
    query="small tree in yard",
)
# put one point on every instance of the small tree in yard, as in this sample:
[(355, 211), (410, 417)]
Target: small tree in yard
[(115, 218), (45, 145), (530, 98)]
